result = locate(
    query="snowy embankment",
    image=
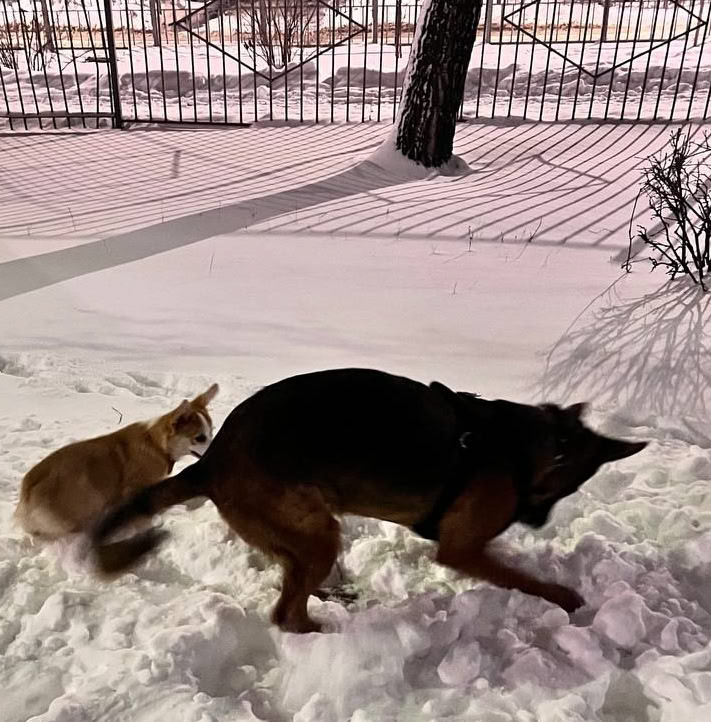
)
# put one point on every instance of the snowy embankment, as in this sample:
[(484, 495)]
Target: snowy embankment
[(188, 638)]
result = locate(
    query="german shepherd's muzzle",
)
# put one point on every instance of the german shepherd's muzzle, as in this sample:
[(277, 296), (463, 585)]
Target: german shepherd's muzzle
[(455, 468)]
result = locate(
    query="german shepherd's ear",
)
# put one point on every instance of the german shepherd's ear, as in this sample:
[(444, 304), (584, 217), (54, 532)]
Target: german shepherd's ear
[(206, 397), (577, 410), (614, 449), (445, 391)]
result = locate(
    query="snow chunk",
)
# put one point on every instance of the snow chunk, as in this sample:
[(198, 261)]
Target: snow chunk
[(621, 620), (461, 664)]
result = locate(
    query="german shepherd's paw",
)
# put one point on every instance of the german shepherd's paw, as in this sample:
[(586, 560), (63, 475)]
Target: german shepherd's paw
[(564, 597)]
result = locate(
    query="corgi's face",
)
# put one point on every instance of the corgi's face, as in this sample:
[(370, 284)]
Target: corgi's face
[(191, 426)]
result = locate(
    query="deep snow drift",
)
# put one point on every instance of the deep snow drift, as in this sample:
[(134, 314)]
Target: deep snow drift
[(187, 636)]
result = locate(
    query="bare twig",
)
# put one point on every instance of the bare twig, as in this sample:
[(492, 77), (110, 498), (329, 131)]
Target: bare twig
[(676, 184)]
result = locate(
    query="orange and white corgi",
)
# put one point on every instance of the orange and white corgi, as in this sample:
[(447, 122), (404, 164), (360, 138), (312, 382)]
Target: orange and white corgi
[(69, 490)]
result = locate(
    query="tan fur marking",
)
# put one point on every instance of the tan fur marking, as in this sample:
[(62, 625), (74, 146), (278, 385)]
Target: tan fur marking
[(477, 516)]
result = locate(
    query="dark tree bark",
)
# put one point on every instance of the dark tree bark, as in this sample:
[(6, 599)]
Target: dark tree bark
[(434, 85), (47, 22)]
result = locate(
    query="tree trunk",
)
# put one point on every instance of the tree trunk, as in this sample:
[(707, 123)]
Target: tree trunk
[(434, 82), (155, 21), (47, 22)]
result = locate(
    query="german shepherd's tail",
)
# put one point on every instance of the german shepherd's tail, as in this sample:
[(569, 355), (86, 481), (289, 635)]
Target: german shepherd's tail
[(114, 557)]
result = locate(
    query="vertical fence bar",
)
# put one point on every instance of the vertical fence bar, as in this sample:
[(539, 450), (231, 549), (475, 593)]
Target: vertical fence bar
[(708, 94), (74, 63), (603, 38), (548, 60), (582, 55), (381, 15), (177, 61), (649, 60), (288, 40), (30, 31), (146, 61), (14, 65), (224, 60), (348, 61), (206, 15), (56, 43), (318, 55), (155, 20), (94, 50), (113, 67), (192, 64), (5, 96), (683, 56), (484, 38), (613, 69), (498, 62), (333, 62), (365, 61), (530, 68), (304, 31), (102, 36), (254, 57), (562, 69), (398, 50), (515, 61), (701, 55), (637, 33), (666, 59), (270, 59), (239, 57), (129, 36)]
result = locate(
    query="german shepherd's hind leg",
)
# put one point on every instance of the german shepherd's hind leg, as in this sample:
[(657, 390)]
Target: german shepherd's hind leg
[(297, 528), (475, 518), (302, 576)]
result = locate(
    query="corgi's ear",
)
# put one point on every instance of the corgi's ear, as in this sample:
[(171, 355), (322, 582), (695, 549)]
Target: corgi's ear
[(206, 396), (181, 414)]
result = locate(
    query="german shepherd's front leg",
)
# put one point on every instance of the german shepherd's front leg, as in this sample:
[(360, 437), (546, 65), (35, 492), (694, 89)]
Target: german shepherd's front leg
[(482, 512)]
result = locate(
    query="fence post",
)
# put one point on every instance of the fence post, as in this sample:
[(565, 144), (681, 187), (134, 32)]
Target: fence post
[(113, 68), (375, 21)]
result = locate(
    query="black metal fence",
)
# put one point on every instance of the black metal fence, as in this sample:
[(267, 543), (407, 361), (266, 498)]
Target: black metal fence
[(93, 63)]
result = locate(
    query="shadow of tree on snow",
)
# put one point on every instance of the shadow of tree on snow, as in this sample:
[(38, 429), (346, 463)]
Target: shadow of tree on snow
[(652, 353)]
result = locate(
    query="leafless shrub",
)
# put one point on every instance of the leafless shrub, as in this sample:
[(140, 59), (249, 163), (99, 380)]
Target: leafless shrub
[(7, 54), (28, 39), (676, 184), (277, 27)]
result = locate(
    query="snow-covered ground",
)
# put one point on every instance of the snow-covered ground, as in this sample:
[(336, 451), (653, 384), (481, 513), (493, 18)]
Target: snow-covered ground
[(278, 270)]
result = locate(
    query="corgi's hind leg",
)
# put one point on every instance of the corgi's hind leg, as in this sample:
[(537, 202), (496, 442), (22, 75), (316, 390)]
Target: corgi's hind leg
[(297, 528)]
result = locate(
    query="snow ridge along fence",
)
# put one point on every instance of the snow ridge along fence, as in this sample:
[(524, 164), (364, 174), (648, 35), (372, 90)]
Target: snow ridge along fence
[(94, 63)]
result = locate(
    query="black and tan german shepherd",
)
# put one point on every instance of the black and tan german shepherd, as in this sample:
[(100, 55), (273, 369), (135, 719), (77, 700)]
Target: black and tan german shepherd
[(453, 467)]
